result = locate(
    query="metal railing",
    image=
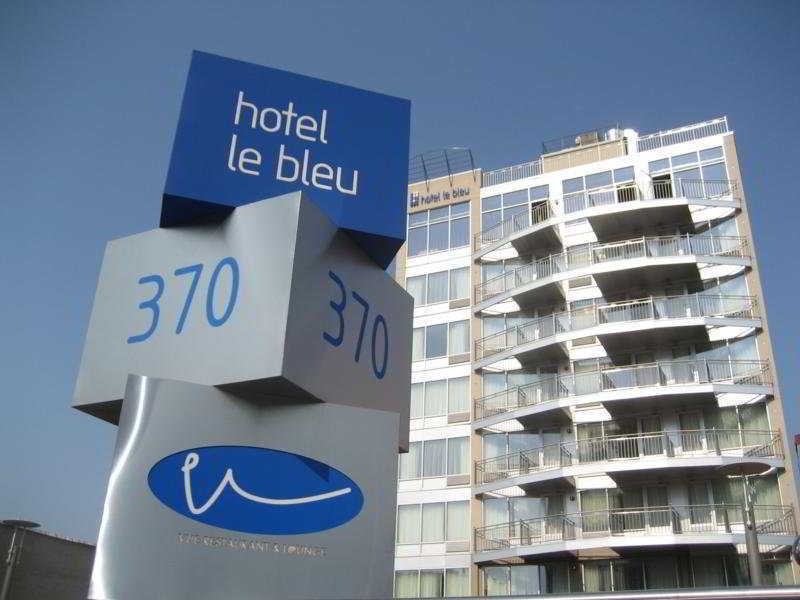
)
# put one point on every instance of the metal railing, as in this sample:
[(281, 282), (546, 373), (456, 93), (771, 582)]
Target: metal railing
[(512, 173), (600, 253), (579, 201), (689, 442), (659, 374), (608, 133), (682, 134), (538, 214), (652, 308), (644, 521)]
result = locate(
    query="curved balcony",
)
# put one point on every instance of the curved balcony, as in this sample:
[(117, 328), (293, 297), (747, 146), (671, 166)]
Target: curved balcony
[(634, 528), (622, 389), (616, 266), (628, 324), (628, 459), (611, 211)]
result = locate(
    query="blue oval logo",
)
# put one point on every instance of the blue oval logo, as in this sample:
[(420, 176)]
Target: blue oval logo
[(255, 490)]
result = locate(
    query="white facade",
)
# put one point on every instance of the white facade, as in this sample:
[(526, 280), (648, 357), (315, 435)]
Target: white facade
[(621, 379)]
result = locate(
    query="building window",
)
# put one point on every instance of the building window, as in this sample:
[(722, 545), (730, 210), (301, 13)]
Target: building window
[(459, 283), (435, 458), (440, 397), (496, 209), (410, 466), (458, 340), (458, 395), (436, 340), (438, 229), (598, 189), (428, 583), (408, 524), (696, 174), (433, 522), (457, 456), (406, 584), (439, 287), (440, 340)]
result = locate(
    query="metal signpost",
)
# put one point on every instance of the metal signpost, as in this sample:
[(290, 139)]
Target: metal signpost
[(253, 351)]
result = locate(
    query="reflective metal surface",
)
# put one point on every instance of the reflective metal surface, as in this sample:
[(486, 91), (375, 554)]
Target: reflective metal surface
[(148, 549)]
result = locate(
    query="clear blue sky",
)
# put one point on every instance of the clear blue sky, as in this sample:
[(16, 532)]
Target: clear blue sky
[(89, 99)]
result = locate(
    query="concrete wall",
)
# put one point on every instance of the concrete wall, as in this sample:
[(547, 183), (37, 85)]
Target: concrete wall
[(50, 568)]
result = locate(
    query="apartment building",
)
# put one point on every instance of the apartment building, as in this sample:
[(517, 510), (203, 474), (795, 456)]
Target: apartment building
[(594, 402)]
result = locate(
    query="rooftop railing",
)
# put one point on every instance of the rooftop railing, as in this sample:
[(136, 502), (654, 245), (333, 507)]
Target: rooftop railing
[(746, 443), (506, 174), (694, 519), (659, 374), (682, 134), (652, 308), (645, 142), (543, 213), (599, 253)]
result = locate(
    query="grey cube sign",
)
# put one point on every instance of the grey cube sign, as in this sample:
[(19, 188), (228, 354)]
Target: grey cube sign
[(213, 495), (273, 302)]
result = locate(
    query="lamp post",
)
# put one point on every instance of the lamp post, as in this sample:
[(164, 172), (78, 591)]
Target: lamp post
[(750, 533), (13, 556), (748, 517)]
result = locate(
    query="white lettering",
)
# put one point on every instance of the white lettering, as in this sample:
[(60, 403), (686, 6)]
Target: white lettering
[(316, 175), (239, 106), (306, 156), (322, 127), (262, 120), (301, 126), (243, 160), (295, 166), (289, 113), (352, 191)]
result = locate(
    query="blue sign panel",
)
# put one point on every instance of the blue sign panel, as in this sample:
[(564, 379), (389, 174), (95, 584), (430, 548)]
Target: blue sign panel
[(248, 132), (255, 490)]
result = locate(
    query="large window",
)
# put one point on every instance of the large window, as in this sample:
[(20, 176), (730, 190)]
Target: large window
[(646, 573), (431, 583), (440, 340), (439, 287), (495, 209), (435, 458), (433, 522), (598, 189), (693, 175), (439, 398), (438, 229)]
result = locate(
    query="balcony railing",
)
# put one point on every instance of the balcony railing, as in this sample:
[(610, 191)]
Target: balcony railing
[(653, 308), (572, 203), (506, 174), (659, 374), (595, 254), (698, 519), (746, 443), (682, 134)]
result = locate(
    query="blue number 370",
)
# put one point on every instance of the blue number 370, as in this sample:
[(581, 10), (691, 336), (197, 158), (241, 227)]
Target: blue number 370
[(379, 323), (195, 270)]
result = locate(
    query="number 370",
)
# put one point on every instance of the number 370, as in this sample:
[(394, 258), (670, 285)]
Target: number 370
[(379, 323), (211, 313)]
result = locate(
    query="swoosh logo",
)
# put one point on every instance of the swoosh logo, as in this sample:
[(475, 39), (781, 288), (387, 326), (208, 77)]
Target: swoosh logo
[(255, 490), (192, 460)]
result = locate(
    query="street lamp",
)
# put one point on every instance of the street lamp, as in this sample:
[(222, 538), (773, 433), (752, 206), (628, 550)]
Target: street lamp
[(749, 517), (12, 558)]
